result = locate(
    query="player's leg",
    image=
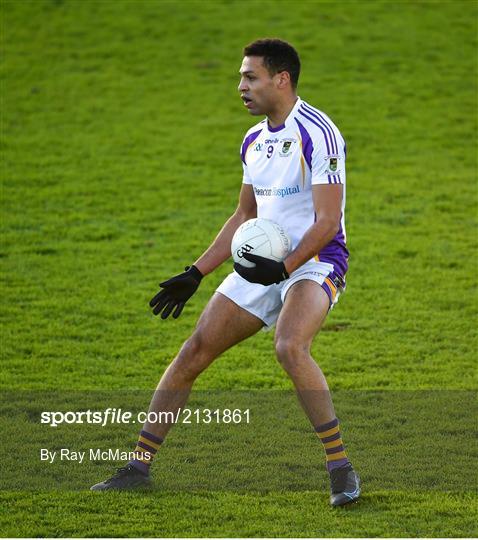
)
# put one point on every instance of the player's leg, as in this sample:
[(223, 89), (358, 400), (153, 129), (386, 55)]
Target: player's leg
[(305, 309), (221, 325)]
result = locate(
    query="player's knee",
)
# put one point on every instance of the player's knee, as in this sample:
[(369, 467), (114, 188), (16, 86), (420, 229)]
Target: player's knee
[(290, 352), (193, 357)]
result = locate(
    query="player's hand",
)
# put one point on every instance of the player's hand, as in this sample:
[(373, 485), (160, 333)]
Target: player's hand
[(176, 292), (266, 271)]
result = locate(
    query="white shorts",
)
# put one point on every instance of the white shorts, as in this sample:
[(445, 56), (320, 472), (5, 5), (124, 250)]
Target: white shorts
[(265, 302)]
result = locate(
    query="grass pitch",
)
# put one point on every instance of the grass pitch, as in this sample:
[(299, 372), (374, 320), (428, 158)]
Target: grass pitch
[(120, 129)]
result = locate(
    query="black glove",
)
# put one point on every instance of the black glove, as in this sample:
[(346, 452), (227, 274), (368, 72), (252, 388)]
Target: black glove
[(266, 271), (176, 292)]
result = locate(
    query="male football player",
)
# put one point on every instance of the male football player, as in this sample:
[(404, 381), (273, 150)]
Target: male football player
[(294, 146)]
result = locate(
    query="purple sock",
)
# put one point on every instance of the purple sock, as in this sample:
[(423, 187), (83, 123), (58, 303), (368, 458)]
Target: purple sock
[(146, 448), (329, 434)]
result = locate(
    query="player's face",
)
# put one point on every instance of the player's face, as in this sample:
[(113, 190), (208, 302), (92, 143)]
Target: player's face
[(257, 88)]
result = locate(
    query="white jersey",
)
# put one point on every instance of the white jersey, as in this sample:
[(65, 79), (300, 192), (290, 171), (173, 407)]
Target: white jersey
[(283, 163)]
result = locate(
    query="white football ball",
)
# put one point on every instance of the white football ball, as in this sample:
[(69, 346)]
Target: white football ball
[(261, 237)]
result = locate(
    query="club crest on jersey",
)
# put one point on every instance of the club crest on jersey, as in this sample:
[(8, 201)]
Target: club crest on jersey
[(286, 149), (286, 146), (332, 163)]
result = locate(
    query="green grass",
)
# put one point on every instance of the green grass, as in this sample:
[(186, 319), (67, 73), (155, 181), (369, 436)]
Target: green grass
[(224, 514), (120, 132)]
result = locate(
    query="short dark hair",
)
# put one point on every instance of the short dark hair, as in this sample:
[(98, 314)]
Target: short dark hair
[(278, 56)]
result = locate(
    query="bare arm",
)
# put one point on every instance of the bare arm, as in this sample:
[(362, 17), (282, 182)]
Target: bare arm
[(328, 207), (220, 249)]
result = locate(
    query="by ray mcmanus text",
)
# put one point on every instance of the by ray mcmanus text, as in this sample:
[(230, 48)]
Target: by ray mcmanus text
[(93, 454)]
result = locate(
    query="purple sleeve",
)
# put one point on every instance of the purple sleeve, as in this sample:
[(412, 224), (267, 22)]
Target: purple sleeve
[(247, 142)]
